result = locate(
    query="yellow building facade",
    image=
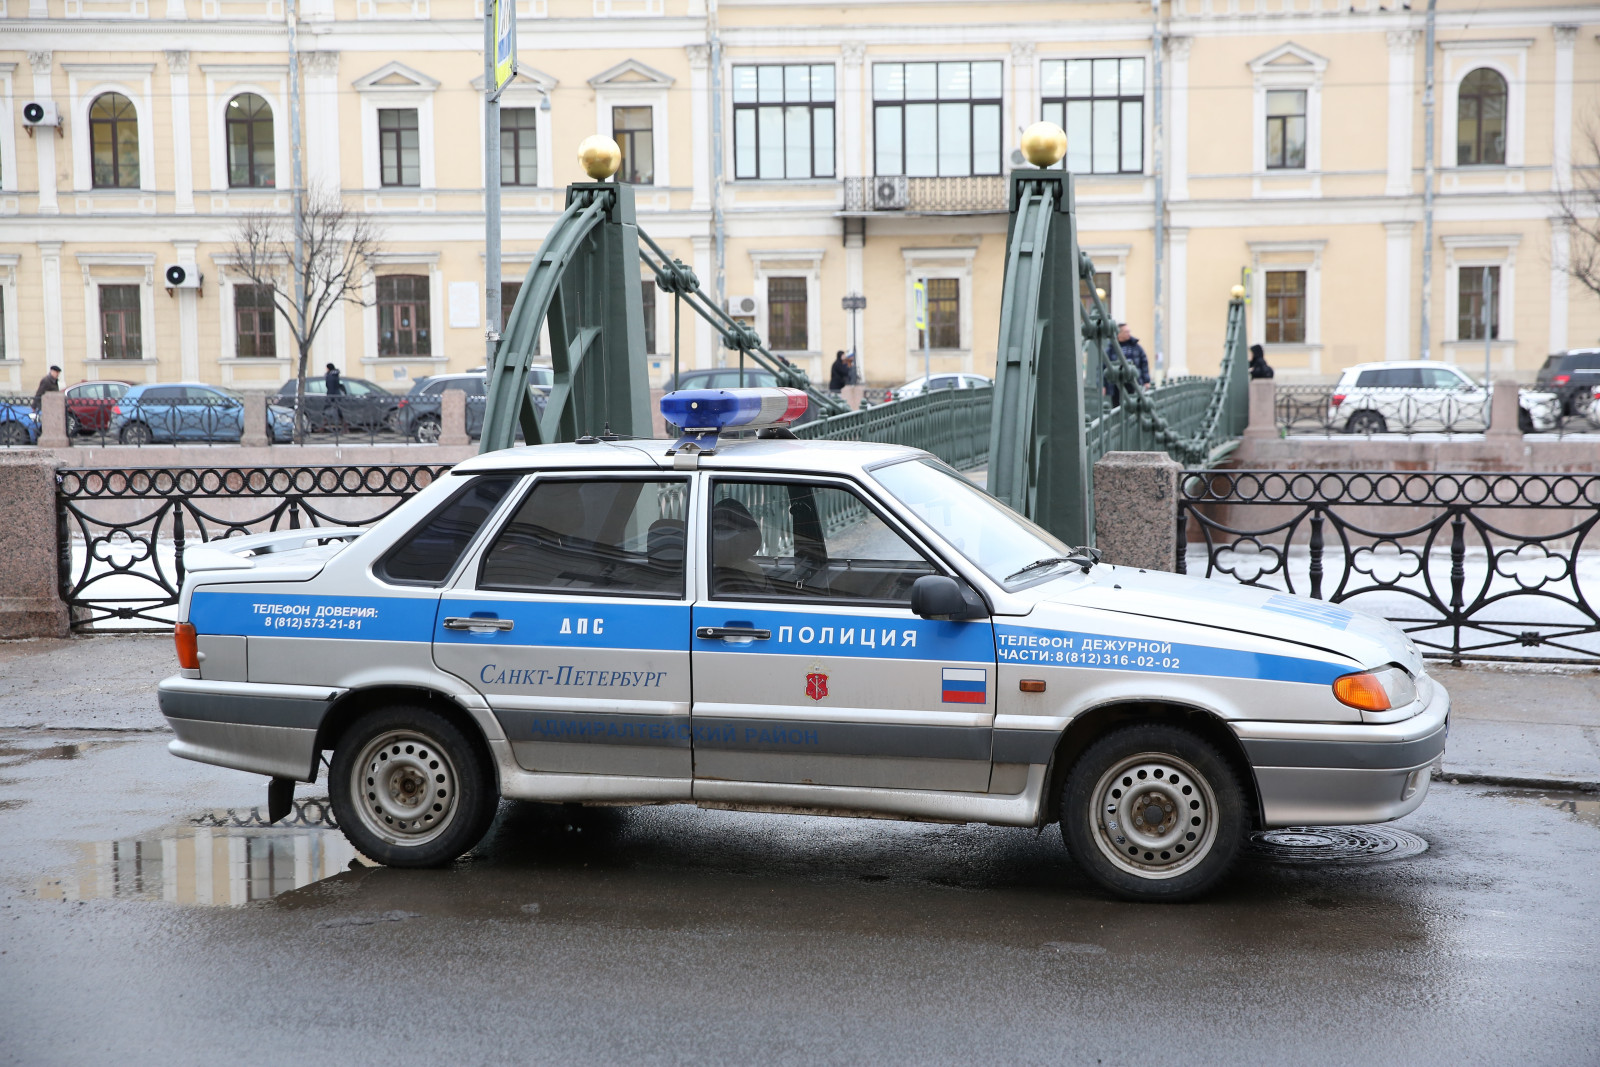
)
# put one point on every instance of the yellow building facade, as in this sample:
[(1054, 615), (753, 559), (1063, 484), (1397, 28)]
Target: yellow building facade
[(794, 154)]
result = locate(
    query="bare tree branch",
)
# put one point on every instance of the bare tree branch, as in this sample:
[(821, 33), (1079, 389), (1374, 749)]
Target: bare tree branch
[(1578, 211), (337, 250)]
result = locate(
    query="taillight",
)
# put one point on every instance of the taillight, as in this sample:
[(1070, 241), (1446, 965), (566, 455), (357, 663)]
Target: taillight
[(184, 637), (1336, 399), (1561, 379), (116, 409), (402, 402)]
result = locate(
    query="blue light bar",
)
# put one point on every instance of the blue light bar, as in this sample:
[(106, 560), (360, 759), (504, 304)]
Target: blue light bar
[(703, 413)]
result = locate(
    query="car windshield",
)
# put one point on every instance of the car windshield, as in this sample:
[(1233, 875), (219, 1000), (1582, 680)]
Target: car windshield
[(996, 539)]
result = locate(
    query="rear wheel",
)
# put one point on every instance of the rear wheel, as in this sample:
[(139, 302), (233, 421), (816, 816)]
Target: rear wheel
[(74, 425), (1153, 812), (135, 433), (426, 430), (1366, 422), (409, 789), (13, 433)]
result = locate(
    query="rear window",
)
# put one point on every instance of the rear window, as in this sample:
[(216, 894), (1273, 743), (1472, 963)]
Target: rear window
[(1390, 378), (428, 554)]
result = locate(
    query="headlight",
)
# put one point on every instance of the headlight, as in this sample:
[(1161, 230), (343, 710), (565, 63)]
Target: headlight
[(1379, 690)]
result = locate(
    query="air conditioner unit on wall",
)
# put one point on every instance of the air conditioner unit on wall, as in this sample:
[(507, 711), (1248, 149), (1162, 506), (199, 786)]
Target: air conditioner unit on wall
[(890, 193), (40, 113), (182, 276), (741, 305)]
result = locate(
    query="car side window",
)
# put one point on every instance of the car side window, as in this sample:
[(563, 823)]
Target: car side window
[(162, 394), (616, 537), (1442, 378), (805, 541), (428, 554)]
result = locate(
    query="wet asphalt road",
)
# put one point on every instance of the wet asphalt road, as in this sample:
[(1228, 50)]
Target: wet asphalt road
[(680, 935)]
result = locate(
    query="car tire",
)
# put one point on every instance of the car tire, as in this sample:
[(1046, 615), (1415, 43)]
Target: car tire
[(13, 433), (410, 789), (426, 430), (74, 425), (1366, 422), (135, 433), (1524, 421), (1129, 778)]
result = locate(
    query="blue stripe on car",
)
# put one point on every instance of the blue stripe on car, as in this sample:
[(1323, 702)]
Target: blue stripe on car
[(1066, 648)]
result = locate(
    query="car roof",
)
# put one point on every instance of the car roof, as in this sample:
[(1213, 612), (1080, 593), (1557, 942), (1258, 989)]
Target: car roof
[(789, 456), (1390, 363), (159, 385)]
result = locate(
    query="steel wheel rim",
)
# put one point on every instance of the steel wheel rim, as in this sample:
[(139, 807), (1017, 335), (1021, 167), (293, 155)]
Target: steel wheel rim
[(405, 788), (1132, 795)]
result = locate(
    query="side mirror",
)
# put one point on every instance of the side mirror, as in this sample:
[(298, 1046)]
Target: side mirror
[(938, 596)]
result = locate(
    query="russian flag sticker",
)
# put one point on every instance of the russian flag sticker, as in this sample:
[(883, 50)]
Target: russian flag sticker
[(963, 685)]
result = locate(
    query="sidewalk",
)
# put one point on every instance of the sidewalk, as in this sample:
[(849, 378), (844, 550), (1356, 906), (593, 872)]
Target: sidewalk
[(1536, 727)]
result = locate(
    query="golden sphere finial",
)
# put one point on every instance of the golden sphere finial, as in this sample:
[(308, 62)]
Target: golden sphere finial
[(599, 156), (1238, 292), (1101, 293), (1043, 144)]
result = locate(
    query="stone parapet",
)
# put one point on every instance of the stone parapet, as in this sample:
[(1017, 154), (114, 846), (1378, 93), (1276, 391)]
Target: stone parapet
[(1136, 509), (30, 598)]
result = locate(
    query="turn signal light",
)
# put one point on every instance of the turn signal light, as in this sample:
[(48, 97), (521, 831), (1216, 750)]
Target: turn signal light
[(184, 637), (1361, 691), (1031, 685)]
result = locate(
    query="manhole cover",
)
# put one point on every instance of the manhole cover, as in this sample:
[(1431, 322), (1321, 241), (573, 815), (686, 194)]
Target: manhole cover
[(1334, 844)]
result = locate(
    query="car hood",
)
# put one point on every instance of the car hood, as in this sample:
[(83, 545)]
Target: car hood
[(1244, 609)]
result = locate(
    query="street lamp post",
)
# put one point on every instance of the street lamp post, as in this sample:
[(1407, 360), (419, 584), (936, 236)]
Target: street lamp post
[(854, 303)]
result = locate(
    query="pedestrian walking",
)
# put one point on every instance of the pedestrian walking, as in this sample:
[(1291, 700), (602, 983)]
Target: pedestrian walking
[(333, 385), (1128, 349), (1258, 363), (50, 383), (839, 373)]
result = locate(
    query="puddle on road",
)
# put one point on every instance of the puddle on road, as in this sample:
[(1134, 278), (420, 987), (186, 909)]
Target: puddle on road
[(228, 858), (1585, 807), (14, 752)]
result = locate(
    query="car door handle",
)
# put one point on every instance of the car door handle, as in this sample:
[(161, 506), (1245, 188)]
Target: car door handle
[(712, 633), (458, 623)]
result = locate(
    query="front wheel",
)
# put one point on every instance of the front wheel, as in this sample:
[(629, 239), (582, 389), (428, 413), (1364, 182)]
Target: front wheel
[(1153, 813), (409, 789)]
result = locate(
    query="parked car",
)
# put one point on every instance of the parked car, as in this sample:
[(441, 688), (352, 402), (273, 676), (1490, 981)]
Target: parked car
[(1424, 396), (19, 423), (722, 378), (183, 411), (933, 383), (1572, 375), (366, 407), (418, 412), (541, 376), (89, 405)]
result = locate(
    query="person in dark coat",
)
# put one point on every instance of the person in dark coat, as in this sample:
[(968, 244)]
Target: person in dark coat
[(333, 385), (839, 373), (1132, 352), (50, 383), (1258, 363)]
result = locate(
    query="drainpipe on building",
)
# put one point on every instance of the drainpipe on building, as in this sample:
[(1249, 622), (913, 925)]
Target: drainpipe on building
[(719, 252), (1159, 322), (1427, 194)]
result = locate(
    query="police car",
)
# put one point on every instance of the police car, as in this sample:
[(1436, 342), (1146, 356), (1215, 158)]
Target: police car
[(778, 625)]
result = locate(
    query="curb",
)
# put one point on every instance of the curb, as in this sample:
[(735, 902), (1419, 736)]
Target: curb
[(1514, 782)]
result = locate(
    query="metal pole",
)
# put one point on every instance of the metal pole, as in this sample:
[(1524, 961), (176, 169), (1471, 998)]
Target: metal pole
[(1427, 193), (927, 335), (1488, 371), (297, 196), (1157, 134), (491, 193), (720, 279)]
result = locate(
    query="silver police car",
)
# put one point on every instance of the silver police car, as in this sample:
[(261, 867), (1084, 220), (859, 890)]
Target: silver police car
[(785, 626)]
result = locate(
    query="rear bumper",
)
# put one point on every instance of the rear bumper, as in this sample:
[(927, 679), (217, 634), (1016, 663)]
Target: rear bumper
[(266, 729), (1333, 774)]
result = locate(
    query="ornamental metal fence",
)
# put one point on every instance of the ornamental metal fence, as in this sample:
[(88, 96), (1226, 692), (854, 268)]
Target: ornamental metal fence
[(1324, 411), (1472, 566), (121, 532), (953, 424)]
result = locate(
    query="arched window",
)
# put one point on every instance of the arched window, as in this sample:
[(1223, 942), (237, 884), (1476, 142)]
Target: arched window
[(114, 142), (250, 156), (1481, 119)]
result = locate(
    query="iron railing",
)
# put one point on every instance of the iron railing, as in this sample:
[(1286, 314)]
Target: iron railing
[(19, 422), (121, 532), (1311, 411), (984, 194), (953, 424), (1471, 566), (178, 421)]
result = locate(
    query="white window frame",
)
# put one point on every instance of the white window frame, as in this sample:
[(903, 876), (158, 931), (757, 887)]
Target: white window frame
[(1508, 58), (787, 263), (526, 9), (530, 88), (118, 268), (1147, 135), (730, 155), (405, 263), (85, 84), (945, 262), (8, 138), (1481, 250), (392, 10), (228, 278), (377, 97), (1305, 75), (869, 100), (11, 358), (634, 84), (1113, 259), (224, 81), (623, 9), (1288, 255)]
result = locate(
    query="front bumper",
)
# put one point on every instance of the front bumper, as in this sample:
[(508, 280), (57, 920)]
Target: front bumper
[(267, 729), (1331, 774)]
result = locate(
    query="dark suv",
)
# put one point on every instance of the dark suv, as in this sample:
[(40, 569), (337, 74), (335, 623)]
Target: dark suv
[(1573, 375), (418, 416)]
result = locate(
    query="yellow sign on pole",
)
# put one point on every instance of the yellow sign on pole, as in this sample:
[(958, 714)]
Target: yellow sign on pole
[(505, 42), (921, 292)]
